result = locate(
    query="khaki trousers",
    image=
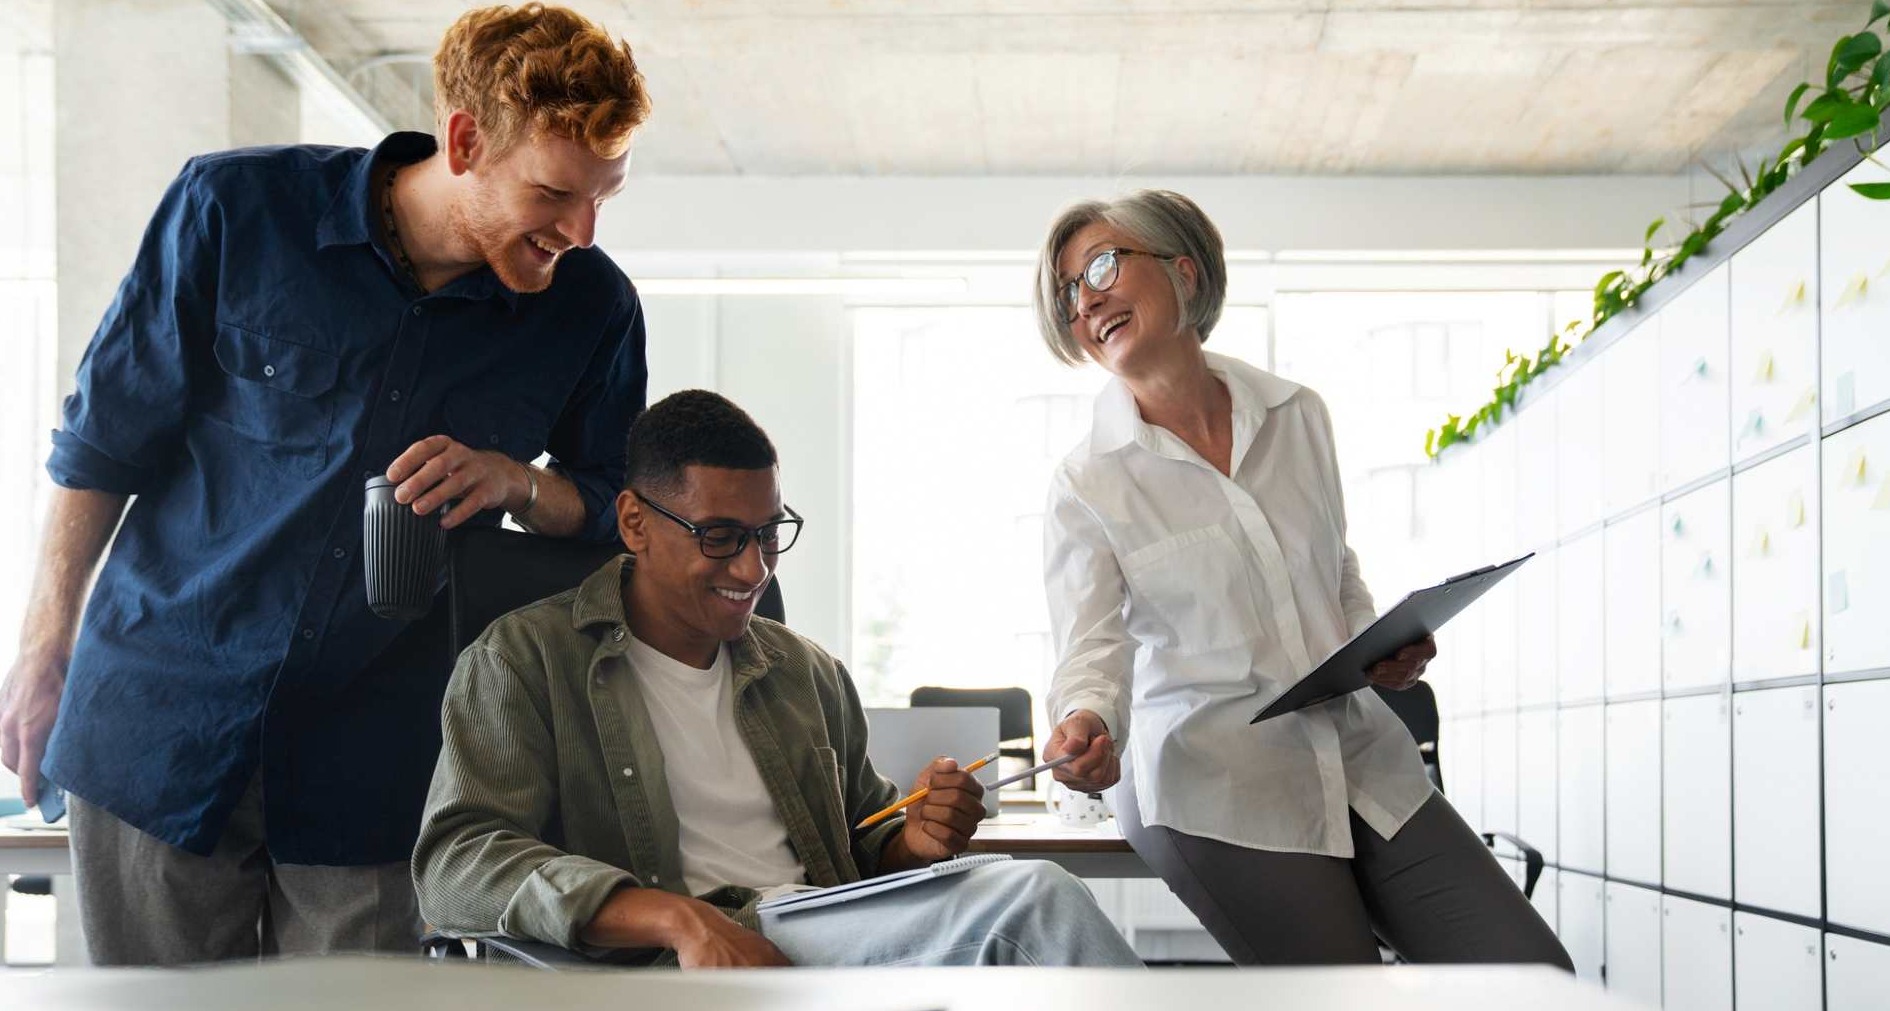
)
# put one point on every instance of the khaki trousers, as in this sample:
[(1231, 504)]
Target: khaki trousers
[(145, 902)]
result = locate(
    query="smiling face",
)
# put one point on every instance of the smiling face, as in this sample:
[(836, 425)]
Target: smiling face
[(681, 602), (529, 205), (1133, 326)]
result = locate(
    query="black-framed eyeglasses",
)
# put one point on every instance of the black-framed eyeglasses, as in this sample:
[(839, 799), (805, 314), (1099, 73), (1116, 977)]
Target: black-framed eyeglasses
[(1100, 274), (726, 540)]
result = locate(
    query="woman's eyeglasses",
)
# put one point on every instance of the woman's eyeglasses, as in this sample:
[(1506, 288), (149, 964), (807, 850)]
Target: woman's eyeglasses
[(1099, 275)]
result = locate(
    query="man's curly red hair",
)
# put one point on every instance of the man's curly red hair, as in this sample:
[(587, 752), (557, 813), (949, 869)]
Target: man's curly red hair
[(538, 67)]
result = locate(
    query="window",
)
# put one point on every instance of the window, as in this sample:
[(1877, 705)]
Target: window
[(960, 416)]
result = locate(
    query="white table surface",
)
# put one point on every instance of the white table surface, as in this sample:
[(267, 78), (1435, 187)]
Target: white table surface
[(414, 985)]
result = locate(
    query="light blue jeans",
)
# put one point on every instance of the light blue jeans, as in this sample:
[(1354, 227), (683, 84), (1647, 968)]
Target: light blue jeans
[(1021, 912)]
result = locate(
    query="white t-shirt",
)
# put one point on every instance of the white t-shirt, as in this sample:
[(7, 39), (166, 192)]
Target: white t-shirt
[(730, 832)]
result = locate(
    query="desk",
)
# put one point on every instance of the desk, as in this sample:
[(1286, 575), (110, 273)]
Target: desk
[(413, 985), (1029, 834), (49, 852)]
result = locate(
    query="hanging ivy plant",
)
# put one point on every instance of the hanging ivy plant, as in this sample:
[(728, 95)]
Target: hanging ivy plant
[(1848, 106)]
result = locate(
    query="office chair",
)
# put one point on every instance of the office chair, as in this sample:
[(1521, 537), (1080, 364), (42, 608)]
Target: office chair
[(1417, 707), (490, 572), (1014, 723)]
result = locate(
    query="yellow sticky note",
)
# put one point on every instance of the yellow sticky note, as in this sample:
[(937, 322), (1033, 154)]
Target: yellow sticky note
[(1882, 500), (1761, 543), (1794, 297), (1804, 631), (1858, 466), (1764, 372), (1803, 405), (1795, 509), (1854, 290)]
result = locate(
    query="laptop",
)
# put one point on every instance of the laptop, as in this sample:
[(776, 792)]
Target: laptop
[(902, 741)]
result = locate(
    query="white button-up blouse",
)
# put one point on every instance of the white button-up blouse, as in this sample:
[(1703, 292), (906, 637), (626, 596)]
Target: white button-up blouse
[(1182, 601)]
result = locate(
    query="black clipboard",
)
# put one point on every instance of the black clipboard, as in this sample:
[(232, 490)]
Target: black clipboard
[(1416, 616)]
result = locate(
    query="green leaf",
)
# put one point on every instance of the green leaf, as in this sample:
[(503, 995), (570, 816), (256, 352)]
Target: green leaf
[(1651, 229), (1797, 144), (1850, 53), (1852, 121), (1430, 444), (1607, 281), (1880, 72), (1878, 10), (1791, 104), (1826, 106), (1872, 191)]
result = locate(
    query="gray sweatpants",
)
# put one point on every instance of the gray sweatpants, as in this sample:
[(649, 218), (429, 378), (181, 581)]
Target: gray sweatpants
[(1434, 893), (145, 902)]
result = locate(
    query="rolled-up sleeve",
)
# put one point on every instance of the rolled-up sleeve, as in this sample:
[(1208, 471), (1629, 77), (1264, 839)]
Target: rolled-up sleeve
[(1086, 594), (124, 421), (480, 866), (587, 443)]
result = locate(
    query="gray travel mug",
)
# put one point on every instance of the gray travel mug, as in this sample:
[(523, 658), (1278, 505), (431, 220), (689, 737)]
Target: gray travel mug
[(402, 552)]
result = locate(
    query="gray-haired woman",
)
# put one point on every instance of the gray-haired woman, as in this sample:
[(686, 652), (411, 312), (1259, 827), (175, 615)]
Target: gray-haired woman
[(1195, 558)]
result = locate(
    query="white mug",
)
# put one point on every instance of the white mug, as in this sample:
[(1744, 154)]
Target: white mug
[(1077, 810)]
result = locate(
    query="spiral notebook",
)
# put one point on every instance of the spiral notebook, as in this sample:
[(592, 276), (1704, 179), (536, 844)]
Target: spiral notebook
[(797, 901)]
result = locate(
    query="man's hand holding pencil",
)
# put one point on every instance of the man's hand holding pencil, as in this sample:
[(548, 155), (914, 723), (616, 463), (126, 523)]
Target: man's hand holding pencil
[(942, 813)]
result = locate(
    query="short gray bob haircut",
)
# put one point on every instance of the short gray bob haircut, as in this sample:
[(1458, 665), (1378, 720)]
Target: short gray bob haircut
[(1163, 222)]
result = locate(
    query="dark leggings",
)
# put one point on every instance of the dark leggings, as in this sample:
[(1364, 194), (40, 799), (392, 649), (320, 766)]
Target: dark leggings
[(1434, 893)]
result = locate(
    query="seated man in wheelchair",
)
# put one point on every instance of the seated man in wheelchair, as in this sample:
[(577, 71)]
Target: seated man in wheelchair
[(631, 766)]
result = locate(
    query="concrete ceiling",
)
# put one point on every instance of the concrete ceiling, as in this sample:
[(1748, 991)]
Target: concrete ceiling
[(1172, 87)]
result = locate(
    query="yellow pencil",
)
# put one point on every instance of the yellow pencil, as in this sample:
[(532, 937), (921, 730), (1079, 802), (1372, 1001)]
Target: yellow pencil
[(918, 795)]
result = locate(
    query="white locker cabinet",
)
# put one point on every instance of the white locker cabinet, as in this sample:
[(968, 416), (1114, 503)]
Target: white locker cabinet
[(1578, 460), (1857, 804), (1775, 335), (1775, 568), (1857, 545), (1536, 453), (1500, 656), (1536, 650), (1461, 752), (1633, 791), (1777, 966), (1457, 673), (1696, 956), (1695, 387), (1536, 781), (1579, 922), (1498, 454), (1580, 842), (1499, 772), (1696, 796), (1630, 426), (1633, 932), (1856, 974), (1631, 606), (1578, 623), (1854, 305), (1696, 589), (1775, 800)]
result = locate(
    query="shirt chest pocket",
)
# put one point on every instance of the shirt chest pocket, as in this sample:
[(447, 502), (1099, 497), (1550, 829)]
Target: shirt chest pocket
[(277, 396), (1197, 587)]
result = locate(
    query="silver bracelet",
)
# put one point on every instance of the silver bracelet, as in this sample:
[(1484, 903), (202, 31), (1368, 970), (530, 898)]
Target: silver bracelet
[(531, 499)]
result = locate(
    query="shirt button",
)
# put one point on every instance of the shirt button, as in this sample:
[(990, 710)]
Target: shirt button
[(308, 633), (598, 681), (493, 438), (394, 396), (417, 310), (616, 635), (341, 552), (629, 773), (366, 473), (269, 370), (655, 880)]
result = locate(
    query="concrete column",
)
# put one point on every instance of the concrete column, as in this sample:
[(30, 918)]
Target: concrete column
[(140, 86)]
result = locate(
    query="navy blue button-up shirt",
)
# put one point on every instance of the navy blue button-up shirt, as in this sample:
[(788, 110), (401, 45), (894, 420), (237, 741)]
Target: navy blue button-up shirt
[(262, 358)]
